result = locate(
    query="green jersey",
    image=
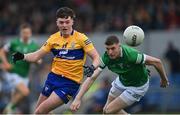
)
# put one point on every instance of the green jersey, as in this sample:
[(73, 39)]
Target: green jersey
[(21, 67), (129, 66)]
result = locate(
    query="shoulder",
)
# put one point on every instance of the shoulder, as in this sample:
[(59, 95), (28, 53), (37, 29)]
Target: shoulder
[(33, 42), (55, 35), (14, 41), (79, 35)]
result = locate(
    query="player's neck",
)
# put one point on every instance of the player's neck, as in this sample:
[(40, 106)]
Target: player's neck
[(120, 52), (119, 55), (65, 35), (26, 41), (68, 34)]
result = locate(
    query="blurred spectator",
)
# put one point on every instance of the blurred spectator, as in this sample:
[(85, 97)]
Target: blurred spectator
[(173, 56)]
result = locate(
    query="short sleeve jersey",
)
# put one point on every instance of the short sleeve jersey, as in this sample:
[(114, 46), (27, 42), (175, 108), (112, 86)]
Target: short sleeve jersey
[(16, 45), (69, 54), (129, 66)]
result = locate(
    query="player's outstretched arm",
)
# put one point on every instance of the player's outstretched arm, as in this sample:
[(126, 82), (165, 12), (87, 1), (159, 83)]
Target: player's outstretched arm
[(35, 56), (5, 64), (95, 57), (30, 57), (84, 88), (159, 67)]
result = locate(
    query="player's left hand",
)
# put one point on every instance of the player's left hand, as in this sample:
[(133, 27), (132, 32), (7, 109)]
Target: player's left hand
[(75, 104), (88, 70), (164, 83)]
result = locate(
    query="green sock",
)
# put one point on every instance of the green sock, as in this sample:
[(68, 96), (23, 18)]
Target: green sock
[(11, 106)]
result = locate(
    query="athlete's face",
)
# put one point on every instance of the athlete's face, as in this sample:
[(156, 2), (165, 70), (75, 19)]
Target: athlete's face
[(26, 33), (113, 51), (65, 25)]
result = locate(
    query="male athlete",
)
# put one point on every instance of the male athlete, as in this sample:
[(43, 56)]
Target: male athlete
[(69, 48), (132, 82), (17, 73)]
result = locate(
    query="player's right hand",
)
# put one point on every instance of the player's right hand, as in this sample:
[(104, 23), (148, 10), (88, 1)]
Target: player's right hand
[(88, 70), (6, 66), (17, 56), (75, 104)]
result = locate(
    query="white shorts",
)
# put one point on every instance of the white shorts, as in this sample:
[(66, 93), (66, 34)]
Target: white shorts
[(14, 79), (128, 94)]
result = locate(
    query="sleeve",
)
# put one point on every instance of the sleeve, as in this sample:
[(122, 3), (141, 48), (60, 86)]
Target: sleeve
[(102, 62), (7, 46), (47, 46), (86, 43), (136, 57)]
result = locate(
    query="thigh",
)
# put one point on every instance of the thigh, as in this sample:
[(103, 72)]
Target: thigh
[(41, 99), (113, 93), (22, 88), (109, 100), (116, 105), (52, 102), (134, 94)]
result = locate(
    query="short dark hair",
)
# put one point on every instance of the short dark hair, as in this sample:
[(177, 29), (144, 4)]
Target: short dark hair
[(112, 40), (65, 12), (25, 25)]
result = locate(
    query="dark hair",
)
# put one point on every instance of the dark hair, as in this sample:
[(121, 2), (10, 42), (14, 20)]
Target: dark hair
[(112, 40), (25, 25), (65, 12)]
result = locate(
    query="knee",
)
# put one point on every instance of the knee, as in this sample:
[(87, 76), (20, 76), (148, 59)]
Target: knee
[(39, 111), (26, 92), (106, 110), (23, 90)]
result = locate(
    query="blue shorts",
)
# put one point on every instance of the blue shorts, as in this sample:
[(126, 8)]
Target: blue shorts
[(63, 87)]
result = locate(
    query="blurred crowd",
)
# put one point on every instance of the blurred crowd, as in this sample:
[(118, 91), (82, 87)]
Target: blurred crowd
[(92, 15)]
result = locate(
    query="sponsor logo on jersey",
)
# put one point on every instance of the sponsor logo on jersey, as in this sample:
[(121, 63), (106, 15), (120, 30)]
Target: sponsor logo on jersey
[(63, 52)]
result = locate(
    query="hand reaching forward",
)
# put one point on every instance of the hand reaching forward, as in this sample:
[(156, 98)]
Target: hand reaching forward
[(75, 104), (17, 56), (164, 83)]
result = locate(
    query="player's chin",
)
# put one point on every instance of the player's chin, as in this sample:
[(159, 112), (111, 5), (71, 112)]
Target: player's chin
[(112, 57)]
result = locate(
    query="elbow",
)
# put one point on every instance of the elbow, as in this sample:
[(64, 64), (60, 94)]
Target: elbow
[(157, 62)]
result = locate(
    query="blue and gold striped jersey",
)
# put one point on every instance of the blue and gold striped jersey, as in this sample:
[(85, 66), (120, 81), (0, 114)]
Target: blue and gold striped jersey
[(69, 54)]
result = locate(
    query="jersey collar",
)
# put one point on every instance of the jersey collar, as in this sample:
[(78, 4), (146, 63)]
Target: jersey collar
[(71, 33), (29, 41), (121, 52)]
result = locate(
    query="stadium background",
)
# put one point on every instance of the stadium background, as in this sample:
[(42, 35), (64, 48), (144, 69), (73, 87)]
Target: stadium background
[(99, 18)]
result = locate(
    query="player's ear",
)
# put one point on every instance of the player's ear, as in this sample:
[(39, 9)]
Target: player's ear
[(72, 21), (56, 22)]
